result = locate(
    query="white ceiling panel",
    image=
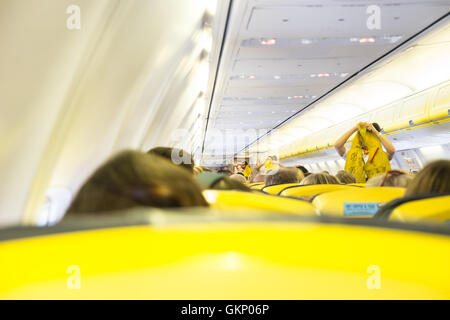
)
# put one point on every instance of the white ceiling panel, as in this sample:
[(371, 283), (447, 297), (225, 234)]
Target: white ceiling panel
[(295, 66)]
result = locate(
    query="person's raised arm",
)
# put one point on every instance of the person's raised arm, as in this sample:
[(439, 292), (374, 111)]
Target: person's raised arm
[(339, 144), (390, 149), (259, 165)]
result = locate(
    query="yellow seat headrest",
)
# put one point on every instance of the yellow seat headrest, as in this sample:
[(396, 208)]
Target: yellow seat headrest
[(230, 200), (312, 190)]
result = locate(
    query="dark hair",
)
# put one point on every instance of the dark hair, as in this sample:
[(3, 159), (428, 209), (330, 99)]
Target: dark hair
[(304, 170), (132, 179), (377, 126), (216, 181), (185, 158), (283, 175)]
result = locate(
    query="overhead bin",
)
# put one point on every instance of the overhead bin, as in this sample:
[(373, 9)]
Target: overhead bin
[(239, 260), (385, 117), (313, 190), (414, 110), (428, 208), (355, 202), (229, 201), (441, 107), (420, 108)]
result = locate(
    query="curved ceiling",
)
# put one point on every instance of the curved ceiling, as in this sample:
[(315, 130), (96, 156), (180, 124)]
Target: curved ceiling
[(282, 56)]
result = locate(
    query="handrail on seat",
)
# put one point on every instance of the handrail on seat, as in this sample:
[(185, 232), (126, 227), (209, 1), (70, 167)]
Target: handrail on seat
[(307, 192), (276, 188)]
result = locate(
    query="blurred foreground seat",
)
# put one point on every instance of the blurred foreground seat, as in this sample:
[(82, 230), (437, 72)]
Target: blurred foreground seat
[(186, 255)]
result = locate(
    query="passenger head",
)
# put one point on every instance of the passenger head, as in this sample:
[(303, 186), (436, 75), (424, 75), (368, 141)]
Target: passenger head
[(433, 178), (259, 178), (229, 184), (177, 156), (319, 178), (238, 177), (218, 181), (300, 173), (132, 179), (281, 176), (393, 178), (345, 177)]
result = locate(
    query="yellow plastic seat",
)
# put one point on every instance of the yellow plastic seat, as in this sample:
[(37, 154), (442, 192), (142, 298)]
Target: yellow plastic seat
[(275, 189), (308, 191), (234, 261), (433, 210), (355, 202), (232, 201)]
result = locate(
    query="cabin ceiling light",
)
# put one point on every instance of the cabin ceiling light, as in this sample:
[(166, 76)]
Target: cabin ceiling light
[(268, 42), (211, 6), (365, 40)]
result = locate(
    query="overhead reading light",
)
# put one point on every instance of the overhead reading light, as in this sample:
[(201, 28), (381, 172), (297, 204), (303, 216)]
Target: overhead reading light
[(268, 42), (365, 40)]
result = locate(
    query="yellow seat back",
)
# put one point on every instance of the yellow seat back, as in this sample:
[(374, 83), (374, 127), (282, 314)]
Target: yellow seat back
[(312, 190), (233, 201), (275, 189), (355, 202), (435, 210), (231, 261)]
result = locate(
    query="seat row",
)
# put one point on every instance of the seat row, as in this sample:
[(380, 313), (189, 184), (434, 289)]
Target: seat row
[(335, 200)]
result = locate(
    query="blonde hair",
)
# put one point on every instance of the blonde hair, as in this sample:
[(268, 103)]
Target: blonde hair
[(238, 177), (345, 177), (433, 178), (133, 178), (197, 170), (392, 178), (319, 178)]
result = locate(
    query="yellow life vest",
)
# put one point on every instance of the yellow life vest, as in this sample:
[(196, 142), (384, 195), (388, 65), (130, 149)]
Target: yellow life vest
[(247, 171), (377, 162)]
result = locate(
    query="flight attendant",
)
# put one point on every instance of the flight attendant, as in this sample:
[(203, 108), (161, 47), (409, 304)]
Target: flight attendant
[(366, 157)]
